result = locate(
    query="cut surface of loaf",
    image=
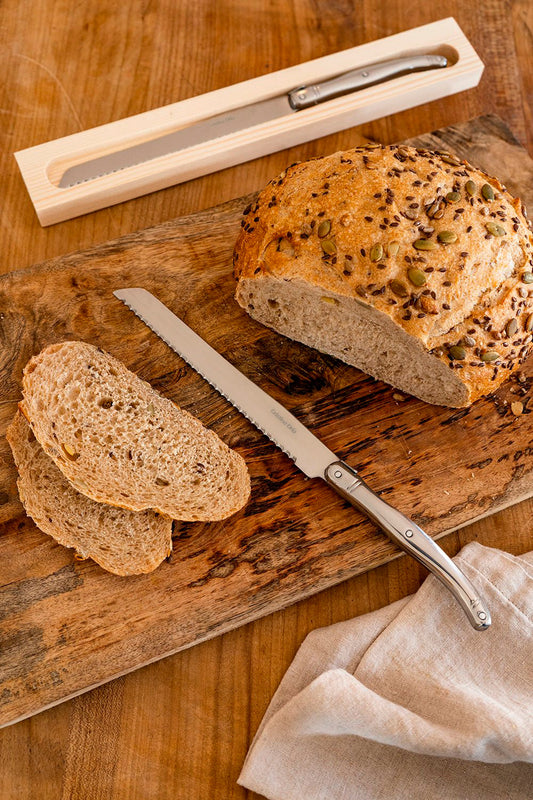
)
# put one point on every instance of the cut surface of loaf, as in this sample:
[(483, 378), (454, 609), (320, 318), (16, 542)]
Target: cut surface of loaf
[(121, 541), (119, 442), (413, 266)]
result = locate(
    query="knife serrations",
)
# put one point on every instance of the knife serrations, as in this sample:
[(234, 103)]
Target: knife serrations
[(206, 130), (269, 416), (198, 369)]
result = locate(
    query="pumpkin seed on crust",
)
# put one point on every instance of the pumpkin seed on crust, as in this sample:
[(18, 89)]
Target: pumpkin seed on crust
[(324, 228), (457, 352), (424, 244), (416, 276), (399, 288), (488, 192), (447, 237), (494, 229), (376, 253), (329, 247), (512, 327)]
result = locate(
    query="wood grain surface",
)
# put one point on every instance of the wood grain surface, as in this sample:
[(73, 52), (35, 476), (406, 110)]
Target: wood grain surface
[(180, 728), (66, 626)]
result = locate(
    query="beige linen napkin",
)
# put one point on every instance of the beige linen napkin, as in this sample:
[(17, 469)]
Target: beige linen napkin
[(409, 701)]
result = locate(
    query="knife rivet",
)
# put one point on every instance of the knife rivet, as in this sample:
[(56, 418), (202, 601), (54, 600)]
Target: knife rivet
[(408, 534), (338, 473), (482, 615)]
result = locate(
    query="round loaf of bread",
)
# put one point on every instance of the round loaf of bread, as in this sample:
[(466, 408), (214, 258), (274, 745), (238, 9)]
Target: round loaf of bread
[(411, 265)]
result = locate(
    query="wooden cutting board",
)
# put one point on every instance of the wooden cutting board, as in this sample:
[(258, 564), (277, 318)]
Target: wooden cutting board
[(66, 625)]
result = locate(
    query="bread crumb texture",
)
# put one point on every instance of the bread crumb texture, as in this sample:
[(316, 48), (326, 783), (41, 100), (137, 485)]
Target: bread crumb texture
[(411, 265), (117, 441), (121, 541)]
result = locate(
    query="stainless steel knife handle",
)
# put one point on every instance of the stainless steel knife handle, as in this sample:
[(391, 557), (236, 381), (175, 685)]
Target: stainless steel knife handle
[(407, 535), (306, 96)]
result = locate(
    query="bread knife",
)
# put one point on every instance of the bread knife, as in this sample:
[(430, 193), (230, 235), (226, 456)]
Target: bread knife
[(247, 116), (304, 448)]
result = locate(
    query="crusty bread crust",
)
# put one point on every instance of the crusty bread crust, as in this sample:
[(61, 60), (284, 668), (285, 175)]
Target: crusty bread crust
[(417, 239), (123, 542), (119, 442)]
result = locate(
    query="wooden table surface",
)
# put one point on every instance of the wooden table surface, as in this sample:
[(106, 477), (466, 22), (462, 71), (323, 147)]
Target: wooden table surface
[(181, 727)]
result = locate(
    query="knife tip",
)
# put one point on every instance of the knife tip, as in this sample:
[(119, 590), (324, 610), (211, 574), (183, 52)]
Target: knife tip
[(121, 294)]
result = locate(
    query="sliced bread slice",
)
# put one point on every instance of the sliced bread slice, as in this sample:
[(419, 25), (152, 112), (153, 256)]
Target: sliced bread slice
[(123, 542), (119, 442)]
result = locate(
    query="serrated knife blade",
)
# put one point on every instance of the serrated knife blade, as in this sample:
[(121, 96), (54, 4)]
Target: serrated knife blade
[(309, 454), (206, 131)]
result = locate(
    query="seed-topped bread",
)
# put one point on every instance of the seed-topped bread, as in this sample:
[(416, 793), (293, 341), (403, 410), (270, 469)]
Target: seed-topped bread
[(413, 266), (119, 442), (121, 541)]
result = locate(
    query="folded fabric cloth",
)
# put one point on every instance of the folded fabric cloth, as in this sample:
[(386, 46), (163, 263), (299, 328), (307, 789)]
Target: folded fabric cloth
[(409, 701)]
